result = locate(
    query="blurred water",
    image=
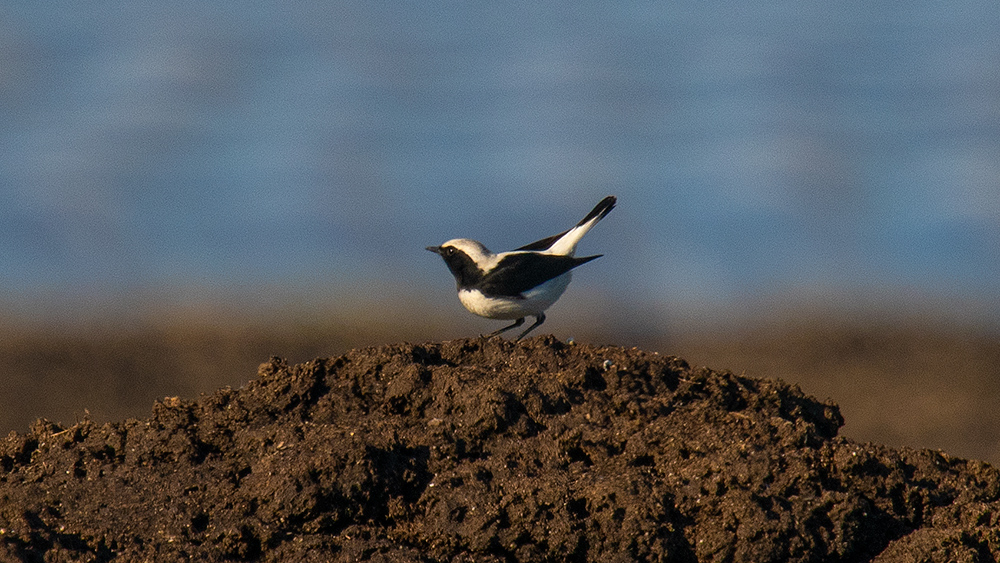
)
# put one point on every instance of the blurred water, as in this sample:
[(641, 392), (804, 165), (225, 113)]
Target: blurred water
[(758, 150)]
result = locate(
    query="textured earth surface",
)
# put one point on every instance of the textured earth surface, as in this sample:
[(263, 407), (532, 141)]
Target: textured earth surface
[(475, 450)]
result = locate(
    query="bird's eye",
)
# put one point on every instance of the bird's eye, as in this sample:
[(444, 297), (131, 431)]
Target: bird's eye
[(449, 251)]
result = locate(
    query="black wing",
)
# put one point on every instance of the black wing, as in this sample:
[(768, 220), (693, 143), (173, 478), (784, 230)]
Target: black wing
[(545, 243), (517, 273)]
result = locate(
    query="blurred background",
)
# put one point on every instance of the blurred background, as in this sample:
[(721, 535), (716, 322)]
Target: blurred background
[(808, 191)]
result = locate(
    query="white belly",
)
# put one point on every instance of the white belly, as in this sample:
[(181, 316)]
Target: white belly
[(533, 303)]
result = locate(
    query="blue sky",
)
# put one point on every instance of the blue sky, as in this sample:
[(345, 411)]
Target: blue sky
[(779, 149)]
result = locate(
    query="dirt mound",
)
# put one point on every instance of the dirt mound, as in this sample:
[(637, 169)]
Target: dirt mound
[(489, 451)]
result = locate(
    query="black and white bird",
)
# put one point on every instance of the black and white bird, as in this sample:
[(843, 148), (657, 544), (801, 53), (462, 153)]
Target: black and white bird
[(521, 282)]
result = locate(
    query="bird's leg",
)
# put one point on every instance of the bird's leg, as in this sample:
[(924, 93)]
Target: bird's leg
[(516, 324), (538, 320)]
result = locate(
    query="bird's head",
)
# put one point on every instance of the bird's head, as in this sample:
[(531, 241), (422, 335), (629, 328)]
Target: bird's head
[(467, 259)]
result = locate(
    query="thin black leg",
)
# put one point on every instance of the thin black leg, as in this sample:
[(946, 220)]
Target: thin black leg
[(538, 320), (516, 324)]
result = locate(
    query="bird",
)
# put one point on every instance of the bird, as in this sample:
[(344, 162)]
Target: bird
[(522, 282)]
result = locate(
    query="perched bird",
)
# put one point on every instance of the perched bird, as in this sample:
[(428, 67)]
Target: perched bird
[(521, 282)]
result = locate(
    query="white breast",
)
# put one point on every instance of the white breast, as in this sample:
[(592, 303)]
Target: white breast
[(533, 302)]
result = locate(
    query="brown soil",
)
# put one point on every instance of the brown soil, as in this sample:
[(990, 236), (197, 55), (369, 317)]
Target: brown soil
[(476, 450)]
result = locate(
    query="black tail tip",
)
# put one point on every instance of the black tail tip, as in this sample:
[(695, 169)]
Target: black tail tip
[(601, 209)]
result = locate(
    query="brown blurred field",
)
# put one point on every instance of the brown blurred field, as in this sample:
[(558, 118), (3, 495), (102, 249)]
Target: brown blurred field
[(915, 382)]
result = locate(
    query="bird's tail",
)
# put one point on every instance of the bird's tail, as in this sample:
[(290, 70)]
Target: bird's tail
[(566, 243)]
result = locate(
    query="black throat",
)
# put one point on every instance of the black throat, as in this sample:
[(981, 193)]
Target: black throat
[(467, 273)]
